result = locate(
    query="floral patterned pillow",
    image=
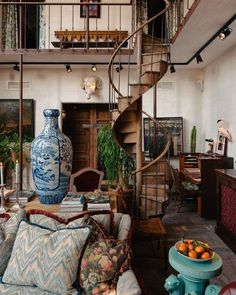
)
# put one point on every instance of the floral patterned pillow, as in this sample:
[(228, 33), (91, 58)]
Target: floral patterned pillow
[(98, 231), (101, 265)]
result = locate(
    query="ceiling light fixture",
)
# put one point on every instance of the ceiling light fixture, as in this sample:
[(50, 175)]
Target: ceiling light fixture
[(16, 68), (199, 58), (172, 69), (119, 68), (225, 33), (68, 68), (94, 68)]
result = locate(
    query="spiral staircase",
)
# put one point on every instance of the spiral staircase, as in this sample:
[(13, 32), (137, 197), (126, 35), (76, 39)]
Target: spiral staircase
[(153, 55)]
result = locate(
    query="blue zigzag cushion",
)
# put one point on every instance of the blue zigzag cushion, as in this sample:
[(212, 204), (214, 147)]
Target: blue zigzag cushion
[(8, 230), (45, 258)]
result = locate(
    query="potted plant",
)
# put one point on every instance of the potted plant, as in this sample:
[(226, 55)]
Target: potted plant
[(117, 164)]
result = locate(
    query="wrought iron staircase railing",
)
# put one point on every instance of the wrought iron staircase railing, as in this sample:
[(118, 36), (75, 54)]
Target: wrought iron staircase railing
[(153, 55)]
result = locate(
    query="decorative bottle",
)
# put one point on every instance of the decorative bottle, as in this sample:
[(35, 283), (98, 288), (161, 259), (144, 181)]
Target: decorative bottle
[(51, 154)]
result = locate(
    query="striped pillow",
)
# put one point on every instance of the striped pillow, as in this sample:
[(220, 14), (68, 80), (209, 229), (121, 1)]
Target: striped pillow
[(45, 258), (8, 228)]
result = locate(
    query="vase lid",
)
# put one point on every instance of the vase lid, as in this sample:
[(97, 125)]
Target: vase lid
[(51, 113)]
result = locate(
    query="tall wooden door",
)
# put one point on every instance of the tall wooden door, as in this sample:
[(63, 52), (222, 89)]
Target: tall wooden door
[(81, 125)]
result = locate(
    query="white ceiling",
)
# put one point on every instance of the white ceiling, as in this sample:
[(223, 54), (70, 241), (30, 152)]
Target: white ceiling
[(205, 21)]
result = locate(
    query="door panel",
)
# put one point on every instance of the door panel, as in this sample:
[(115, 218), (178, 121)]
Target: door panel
[(81, 126)]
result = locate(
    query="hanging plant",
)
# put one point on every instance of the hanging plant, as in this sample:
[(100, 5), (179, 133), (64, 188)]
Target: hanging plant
[(117, 163)]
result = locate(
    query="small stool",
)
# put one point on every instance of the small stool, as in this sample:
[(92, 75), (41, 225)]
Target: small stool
[(152, 229)]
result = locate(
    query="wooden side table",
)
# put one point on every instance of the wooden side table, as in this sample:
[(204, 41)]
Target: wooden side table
[(193, 276), (151, 229)]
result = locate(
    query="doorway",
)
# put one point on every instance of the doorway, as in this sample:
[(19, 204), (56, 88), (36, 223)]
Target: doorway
[(81, 124), (158, 27)]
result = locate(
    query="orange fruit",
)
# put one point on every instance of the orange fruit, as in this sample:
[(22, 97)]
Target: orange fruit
[(205, 255), (192, 254), (191, 247), (182, 247), (199, 249)]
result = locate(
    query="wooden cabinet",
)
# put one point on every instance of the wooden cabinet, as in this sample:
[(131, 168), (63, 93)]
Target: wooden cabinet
[(188, 160), (207, 166), (226, 206), (208, 183)]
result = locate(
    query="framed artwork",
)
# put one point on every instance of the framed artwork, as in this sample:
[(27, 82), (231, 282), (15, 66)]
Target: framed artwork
[(154, 138), (221, 144), (9, 117), (94, 9)]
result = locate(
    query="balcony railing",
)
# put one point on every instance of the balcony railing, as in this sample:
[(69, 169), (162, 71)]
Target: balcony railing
[(57, 25)]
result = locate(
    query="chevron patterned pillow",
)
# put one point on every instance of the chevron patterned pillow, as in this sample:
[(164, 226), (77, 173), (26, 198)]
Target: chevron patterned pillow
[(8, 229), (45, 258)]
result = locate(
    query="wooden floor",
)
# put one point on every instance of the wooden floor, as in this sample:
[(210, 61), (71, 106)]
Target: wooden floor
[(150, 270)]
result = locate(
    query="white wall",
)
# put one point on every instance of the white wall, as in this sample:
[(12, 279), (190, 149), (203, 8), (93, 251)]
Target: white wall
[(50, 87), (179, 95), (218, 101)]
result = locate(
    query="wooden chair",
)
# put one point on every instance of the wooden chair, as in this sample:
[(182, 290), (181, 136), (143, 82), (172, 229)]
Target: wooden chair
[(86, 180), (146, 229), (185, 190)]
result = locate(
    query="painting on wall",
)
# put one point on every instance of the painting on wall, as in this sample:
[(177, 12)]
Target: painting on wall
[(155, 140), (9, 117), (93, 9)]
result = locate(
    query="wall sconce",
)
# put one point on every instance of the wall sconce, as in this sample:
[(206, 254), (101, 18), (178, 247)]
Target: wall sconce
[(94, 68), (119, 68), (225, 33), (199, 58), (68, 68), (172, 69), (16, 68), (90, 84)]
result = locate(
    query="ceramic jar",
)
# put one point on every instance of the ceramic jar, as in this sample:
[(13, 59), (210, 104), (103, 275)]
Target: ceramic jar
[(51, 155)]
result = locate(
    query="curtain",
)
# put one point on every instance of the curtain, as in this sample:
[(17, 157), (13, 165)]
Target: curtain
[(142, 15), (42, 26), (10, 26)]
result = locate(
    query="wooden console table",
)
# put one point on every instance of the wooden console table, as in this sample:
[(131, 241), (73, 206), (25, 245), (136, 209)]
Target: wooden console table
[(55, 208), (226, 206)]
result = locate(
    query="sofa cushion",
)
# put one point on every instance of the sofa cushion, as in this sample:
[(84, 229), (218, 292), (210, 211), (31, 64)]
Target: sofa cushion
[(98, 231), (8, 228), (101, 265), (53, 221), (45, 258)]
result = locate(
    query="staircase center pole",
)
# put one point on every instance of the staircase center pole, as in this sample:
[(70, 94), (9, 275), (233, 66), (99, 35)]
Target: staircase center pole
[(139, 151)]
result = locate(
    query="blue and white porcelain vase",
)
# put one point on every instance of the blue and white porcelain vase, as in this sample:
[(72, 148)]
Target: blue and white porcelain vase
[(51, 154)]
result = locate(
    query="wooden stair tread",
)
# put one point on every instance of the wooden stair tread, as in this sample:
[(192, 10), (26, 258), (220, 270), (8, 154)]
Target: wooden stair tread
[(151, 198), (154, 173), (139, 84)]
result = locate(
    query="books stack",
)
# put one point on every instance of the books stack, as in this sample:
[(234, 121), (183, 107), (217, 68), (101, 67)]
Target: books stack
[(95, 202), (24, 196), (72, 203)]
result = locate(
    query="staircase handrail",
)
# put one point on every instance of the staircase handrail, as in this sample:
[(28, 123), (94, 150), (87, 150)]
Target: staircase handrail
[(168, 4)]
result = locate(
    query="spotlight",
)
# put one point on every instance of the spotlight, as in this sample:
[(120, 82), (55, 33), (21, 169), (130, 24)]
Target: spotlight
[(68, 68), (119, 68), (94, 68), (225, 33), (16, 68), (199, 58), (172, 69)]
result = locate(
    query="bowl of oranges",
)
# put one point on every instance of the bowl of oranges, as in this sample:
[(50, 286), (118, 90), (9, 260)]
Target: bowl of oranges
[(194, 250)]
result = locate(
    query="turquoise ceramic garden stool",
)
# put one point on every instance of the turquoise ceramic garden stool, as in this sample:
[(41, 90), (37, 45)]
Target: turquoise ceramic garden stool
[(193, 277)]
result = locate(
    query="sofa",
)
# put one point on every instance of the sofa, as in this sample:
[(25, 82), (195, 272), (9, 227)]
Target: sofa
[(88, 253)]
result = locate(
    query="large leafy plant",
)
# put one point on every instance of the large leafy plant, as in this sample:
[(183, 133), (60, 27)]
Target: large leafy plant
[(117, 163)]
